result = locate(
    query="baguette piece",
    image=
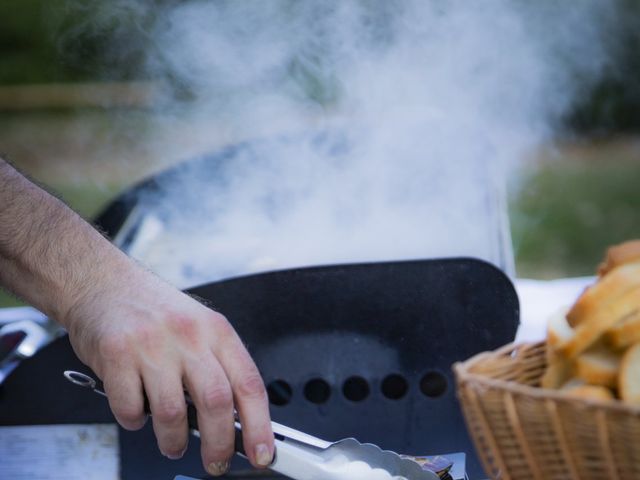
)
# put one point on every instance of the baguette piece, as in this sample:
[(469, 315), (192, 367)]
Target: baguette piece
[(617, 255), (598, 366), (577, 387), (609, 290), (559, 371), (629, 376), (599, 319), (573, 383), (595, 392), (558, 330), (624, 333)]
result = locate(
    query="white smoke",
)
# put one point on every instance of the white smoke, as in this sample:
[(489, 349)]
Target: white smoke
[(426, 105)]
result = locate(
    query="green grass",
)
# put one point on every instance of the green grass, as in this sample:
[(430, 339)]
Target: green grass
[(87, 200), (7, 300), (567, 213)]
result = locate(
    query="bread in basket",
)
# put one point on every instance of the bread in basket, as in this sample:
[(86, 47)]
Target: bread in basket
[(585, 423)]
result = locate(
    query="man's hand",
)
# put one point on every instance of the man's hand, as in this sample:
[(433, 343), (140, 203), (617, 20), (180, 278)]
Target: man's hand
[(139, 334)]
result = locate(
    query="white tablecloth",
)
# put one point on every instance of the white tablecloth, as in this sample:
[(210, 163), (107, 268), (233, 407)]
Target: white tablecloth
[(541, 298)]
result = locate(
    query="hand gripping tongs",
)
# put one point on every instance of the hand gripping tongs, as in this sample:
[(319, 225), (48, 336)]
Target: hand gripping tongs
[(303, 457)]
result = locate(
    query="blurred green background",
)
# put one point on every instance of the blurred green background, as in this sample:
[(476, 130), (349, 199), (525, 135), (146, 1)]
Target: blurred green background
[(578, 196)]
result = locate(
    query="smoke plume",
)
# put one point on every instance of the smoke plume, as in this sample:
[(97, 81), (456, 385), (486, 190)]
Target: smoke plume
[(375, 130)]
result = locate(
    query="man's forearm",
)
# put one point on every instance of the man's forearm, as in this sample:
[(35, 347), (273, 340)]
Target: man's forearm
[(139, 334), (48, 254)]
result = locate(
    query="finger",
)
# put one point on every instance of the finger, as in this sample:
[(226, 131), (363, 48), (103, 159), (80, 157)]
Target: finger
[(126, 398), (251, 402), (168, 411), (210, 391)]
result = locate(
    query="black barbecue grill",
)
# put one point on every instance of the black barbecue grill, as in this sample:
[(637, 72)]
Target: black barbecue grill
[(346, 350), (359, 350)]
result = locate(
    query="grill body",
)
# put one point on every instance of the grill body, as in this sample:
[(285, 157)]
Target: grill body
[(360, 350)]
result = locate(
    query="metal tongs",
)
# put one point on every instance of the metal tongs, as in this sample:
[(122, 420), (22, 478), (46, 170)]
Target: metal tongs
[(304, 457)]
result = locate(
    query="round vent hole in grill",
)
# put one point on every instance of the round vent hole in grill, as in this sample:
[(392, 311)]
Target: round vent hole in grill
[(433, 384), (355, 389), (279, 392), (317, 390), (394, 386)]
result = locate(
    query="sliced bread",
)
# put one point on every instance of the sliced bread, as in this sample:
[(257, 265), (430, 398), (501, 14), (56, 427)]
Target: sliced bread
[(595, 392), (629, 376), (624, 333), (558, 330), (598, 366), (600, 319), (611, 288), (619, 255)]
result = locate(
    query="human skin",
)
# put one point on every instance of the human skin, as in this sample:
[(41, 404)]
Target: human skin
[(137, 333)]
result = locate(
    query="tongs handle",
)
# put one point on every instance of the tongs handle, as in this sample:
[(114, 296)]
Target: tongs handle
[(284, 433), (192, 415), (294, 449)]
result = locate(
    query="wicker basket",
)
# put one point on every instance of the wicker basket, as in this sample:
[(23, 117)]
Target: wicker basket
[(524, 432)]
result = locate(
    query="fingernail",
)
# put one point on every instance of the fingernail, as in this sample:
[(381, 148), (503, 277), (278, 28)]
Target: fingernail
[(218, 468), (178, 456), (263, 455)]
